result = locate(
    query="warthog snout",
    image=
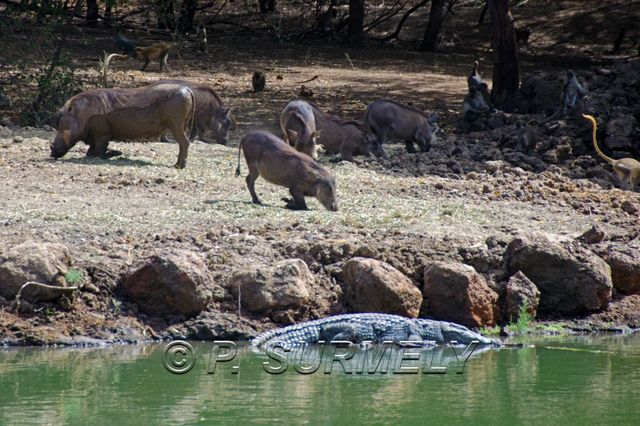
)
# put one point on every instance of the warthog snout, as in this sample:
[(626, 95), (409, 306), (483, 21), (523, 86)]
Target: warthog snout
[(58, 149), (327, 196)]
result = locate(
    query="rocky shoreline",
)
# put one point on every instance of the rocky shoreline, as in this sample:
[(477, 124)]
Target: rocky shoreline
[(468, 232)]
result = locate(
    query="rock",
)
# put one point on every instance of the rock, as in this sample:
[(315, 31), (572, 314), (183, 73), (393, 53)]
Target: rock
[(539, 93), (629, 207), (45, 263), (456, 292), (521, 290), (593, 236), (493, 166), (331, 250), (571, 282), (375, 286), (170, 283), (263, 289), (619, 133), (625, 268), (366, 251), (18, 139)]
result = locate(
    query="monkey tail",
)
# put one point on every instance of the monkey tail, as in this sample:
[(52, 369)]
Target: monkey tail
[(239, 151), (594, 126)]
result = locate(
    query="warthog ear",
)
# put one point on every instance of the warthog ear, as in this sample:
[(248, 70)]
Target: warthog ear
[(292, 134), (66, 135)]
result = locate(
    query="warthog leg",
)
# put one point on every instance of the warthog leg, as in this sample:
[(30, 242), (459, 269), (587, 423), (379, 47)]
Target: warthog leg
[(183, 143), (346, 153), (410, 146), (251, 183), (297, 202)]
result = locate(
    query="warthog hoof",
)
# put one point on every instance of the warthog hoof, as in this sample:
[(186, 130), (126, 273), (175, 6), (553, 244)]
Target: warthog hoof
[(291, 204), (179, 165), (112, 153)]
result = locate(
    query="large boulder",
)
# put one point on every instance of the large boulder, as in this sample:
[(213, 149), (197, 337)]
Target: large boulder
[(620, 133), (520, 291), (456, 292), (45, 263), (170, 284), (262, 289), (625, 268), (375, 286), (539, 93), (571, 282)]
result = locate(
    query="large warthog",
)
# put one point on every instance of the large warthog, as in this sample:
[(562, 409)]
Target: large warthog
[(102, 115), (211, 116), (346, 137), (279, 163), (298, 126), (391, 119)]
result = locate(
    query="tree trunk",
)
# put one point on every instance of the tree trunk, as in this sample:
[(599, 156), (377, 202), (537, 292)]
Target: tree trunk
[(164, 14), (355, 31), (430, 39), (187, 12), (506, 67), (108, 7), (267, 6), (92, 13)]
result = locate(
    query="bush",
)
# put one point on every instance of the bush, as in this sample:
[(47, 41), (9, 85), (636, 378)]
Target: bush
[(57, 83)]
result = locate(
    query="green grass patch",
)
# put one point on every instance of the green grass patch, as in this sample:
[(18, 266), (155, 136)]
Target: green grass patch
[(73, 277)]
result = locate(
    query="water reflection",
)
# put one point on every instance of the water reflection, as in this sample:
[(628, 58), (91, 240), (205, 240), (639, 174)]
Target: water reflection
[(588, 379)]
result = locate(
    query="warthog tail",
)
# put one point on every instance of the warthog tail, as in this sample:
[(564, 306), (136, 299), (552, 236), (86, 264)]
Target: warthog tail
[(191, 119), (238, 168)]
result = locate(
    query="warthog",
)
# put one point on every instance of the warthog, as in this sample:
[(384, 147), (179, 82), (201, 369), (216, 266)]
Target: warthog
[(299, 127), (346, 137), (211, 114), (102, 115), (279, 163), (388, 118)]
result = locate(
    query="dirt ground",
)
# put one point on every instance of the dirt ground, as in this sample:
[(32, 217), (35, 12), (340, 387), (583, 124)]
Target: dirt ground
[(405, 210)]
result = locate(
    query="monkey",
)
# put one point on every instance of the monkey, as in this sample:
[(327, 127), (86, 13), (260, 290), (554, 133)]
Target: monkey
[(627, 169), (526, 136), (201, 39), (305, 92), (522, 36), (327, 19), (156, 52), (259, 81), (571, 92), (125, 45), (474, 105), (474, 80)]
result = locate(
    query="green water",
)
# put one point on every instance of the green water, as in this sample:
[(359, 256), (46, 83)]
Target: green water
[(562, 380)]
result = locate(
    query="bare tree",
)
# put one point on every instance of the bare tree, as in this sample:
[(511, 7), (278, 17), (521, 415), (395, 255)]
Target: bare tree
[(506, 67), (356, 22), (436, 16), (92, 13)]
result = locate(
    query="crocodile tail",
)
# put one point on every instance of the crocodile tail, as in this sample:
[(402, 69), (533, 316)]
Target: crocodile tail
[(594, 126)]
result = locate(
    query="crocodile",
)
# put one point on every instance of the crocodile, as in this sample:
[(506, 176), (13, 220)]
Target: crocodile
[(369, 327)]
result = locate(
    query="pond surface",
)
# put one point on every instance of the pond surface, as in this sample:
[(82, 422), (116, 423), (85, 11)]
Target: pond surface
[(559, 380)]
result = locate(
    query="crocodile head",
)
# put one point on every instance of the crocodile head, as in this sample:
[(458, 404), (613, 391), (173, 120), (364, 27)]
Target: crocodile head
[(463, 335)]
